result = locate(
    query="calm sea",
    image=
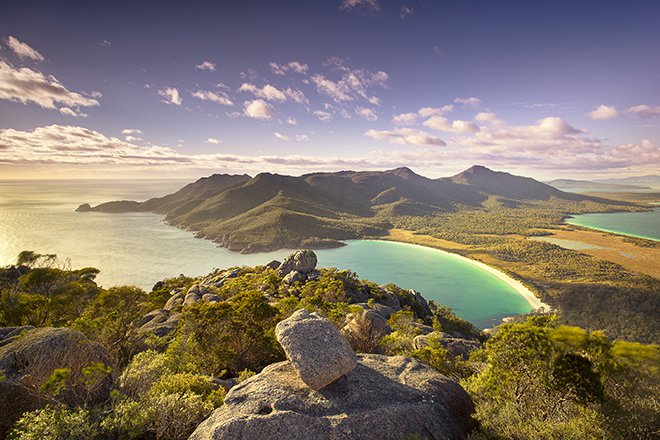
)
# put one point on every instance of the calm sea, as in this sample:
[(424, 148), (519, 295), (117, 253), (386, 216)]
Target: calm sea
[(139, 249), (635, 224)]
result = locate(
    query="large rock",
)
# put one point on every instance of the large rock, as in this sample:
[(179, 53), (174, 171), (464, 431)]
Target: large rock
[(174, 301), (383, 398), (29, 360), (303, 261), (293, 277), (9, 334), (364, 331), (161, 325), (317, 350)]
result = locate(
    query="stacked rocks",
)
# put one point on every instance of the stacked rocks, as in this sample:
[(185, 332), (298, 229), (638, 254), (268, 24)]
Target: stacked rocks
[(324, 391), (299, 267)]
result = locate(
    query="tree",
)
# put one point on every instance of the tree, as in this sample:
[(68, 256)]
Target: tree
[(228, 337)]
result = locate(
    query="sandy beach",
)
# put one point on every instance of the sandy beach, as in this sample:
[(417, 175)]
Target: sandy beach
[(427, 241)]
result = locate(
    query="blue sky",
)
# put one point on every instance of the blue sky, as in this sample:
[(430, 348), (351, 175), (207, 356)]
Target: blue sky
[(152, 89)]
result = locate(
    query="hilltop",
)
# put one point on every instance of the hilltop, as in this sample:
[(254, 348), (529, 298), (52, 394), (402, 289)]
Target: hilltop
[(317, 210)]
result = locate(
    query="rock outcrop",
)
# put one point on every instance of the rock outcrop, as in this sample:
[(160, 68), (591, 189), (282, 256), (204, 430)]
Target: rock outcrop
[(303, 262), (27, 361), (318, 352), (381, 398)]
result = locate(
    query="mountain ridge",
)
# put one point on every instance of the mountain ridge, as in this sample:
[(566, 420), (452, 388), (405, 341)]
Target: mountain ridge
[(273, 211)]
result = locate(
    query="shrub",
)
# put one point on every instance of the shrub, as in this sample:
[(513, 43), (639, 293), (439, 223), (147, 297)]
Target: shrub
[(145, 369), (55, 423)]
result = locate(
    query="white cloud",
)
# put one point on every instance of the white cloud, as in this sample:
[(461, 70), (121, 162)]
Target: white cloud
[(132, 138), (443, 124), (69, 112), (645, 152), (298, 67), (206, 65), (549, 137), (213, 141), (291, 120), (285, 138), (366, 113), (218, 97), (323, 116), (294, 66), (645, 111), (250, 74), (131, 131), (488, 117), (27, 85), (77, 145), (338, 91), (468, 101), (23, 50), (425, 112), (272, 93), (268, 92), (170, 95), (550, 144), (405, 119), (406, 11), (603, 112), (406, 136), (72, 149), (365, 5), (258, 109), (296, 96), (353, 84)]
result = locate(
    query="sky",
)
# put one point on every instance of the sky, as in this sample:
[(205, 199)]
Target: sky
[(157, 89)]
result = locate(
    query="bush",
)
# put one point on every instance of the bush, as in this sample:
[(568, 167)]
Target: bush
[(55, 423), (228, 337), (145, 369)]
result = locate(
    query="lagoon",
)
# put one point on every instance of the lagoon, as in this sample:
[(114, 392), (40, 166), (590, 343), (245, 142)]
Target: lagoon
[(139, 249), (634, 224)]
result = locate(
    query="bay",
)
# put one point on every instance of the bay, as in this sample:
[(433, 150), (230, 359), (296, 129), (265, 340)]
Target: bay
[(634, 224), (139, 249)]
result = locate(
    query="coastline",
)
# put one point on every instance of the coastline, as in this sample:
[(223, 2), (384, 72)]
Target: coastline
[(573, 221), (529, 296)]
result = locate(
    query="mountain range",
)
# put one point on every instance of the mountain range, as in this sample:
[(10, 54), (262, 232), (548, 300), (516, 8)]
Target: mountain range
[(271, 211), (587, 185)]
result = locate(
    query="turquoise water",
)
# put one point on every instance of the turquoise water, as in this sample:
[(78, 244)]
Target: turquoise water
[(634, 224), (139, 249), (473, 293)]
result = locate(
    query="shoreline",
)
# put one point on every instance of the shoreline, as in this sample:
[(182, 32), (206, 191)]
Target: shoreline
[(611, 231), (529, 296)]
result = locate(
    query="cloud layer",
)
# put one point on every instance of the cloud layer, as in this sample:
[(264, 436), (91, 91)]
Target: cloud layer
[(26, 85)]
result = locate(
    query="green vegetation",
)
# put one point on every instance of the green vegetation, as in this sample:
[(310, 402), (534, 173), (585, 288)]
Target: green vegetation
[(590, 293), (531, 379), (548, 381), (489, 212)]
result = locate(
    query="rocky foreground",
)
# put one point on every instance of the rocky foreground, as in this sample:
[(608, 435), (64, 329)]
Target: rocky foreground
[(325, 391)]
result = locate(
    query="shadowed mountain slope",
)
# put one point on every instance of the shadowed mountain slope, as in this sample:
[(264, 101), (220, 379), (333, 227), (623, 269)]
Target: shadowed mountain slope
[(271, 211)]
